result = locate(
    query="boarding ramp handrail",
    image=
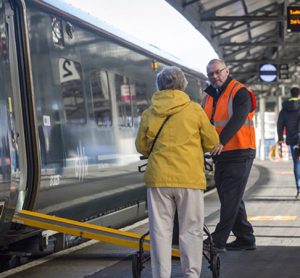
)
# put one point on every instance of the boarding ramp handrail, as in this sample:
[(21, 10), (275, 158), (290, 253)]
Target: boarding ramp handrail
[(82, 229)]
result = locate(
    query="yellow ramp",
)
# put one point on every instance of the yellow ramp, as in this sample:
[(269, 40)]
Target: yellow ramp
[(82, 229)]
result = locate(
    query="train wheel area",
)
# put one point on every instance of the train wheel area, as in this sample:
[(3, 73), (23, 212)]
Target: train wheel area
[(272, 209)]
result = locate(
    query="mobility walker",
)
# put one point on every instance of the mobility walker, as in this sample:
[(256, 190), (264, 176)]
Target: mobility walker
[(139, 259)]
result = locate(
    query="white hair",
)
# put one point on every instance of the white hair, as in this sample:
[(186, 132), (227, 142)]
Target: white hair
[(171, 78)]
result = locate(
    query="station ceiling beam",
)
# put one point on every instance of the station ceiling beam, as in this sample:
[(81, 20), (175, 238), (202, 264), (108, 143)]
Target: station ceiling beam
[(267, 44), (243, 18), (262, 61)]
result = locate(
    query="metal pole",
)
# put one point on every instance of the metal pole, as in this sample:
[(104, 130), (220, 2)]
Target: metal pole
[(278, 107), (262, 108)]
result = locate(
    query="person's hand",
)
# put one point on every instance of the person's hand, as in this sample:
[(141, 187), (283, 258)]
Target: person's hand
[(217, 150)]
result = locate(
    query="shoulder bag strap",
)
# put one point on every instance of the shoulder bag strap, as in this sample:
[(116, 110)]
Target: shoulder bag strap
[(141, 168), (161, 127)]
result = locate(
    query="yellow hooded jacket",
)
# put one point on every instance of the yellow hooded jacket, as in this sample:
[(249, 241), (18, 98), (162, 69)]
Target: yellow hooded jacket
[(177, 158)]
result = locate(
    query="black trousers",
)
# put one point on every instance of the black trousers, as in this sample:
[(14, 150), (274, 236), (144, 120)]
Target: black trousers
[(231, 178)]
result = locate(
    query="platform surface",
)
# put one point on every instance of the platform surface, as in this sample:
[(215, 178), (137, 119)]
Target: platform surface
[(272, 209)]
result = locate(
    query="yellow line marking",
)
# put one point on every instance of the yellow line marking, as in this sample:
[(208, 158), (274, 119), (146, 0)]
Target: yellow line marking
[(273, 218), (284, 172)]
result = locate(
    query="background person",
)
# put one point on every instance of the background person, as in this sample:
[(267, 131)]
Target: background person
[(175, 172), (230, 107), (289, 118)]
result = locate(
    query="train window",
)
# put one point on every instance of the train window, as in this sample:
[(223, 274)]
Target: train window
[(125, 95), (72, 91), (144, 95), (194, 88), (132, 97), (101, 98), (142, 100), (57, 32)]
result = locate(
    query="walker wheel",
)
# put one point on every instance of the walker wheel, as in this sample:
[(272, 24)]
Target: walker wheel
[(216, 266), (137, 266)]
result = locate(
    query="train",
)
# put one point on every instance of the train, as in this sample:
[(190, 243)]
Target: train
[(72, 92)]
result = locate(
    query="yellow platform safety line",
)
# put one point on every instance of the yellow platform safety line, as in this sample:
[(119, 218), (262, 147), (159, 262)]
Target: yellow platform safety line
[(273, 218), (82, 229)]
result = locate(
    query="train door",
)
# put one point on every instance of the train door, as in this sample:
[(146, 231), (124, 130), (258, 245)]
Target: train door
[(9, 157), (15, 159)]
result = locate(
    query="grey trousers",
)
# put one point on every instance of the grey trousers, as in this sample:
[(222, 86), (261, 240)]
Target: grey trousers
[(162, 204)]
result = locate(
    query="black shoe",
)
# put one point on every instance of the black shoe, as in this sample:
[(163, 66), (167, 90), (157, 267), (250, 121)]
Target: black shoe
[(208, 247), (237, 246)]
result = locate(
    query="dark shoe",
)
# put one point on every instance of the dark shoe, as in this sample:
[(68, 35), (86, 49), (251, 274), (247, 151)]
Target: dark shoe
[(237, 246), (207, 246)]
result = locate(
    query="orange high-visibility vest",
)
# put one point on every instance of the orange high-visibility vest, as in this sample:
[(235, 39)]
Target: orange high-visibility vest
[(245, 137)]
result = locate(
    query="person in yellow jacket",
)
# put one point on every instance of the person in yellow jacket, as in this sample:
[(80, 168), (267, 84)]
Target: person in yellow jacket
[(230, 106), (175, 175)]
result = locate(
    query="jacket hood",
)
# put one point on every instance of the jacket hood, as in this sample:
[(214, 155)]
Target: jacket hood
[(293, 104), (169, 102)]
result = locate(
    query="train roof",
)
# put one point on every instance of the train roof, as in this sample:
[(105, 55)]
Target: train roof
[(111, 31)]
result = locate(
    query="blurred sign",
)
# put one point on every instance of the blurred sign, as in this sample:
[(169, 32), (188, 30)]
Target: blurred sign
[(127, 92), (283, 71), (293, 18), (268, 72), (68, 70), (46, 120)]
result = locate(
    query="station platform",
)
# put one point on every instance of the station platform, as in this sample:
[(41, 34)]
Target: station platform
[(272, 209)]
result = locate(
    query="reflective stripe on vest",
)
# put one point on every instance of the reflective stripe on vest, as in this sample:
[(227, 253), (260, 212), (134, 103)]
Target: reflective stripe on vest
[(223, 123)]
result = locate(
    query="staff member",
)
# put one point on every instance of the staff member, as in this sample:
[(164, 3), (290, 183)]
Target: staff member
[(175, 172), (230, 107)]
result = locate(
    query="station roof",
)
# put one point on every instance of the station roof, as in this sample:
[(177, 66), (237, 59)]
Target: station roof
[(247, 34)]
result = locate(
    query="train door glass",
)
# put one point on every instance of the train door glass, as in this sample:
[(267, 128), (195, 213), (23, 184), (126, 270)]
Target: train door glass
[(101, 101), (10, 123), (72, 91), (8, 151)]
